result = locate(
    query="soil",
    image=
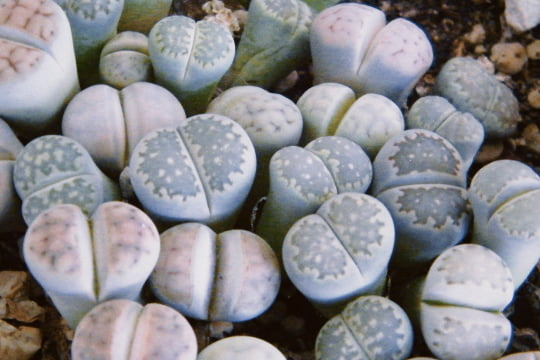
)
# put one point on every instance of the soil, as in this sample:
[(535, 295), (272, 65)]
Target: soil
[(292, 323)]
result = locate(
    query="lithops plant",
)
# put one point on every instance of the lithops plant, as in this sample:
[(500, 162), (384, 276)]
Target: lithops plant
[(230, 276), (54, 169), (38, 73), (274, 42), (351, 44), (369, 327), (466, 289), (10, 203), (124, 60), (81, 261), (126, 330), (189, 58), (341, 251), (421, 179), (141, 15), (271, 120), (201, 170), (110, 122), (471, 88), (301, 179), (437, 114), (332, 109), (241, 347), (504, 196), (92, 23)]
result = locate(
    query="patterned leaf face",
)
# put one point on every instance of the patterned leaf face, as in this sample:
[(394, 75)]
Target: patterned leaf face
[(81, 191), (317, 251), (45, 158), (348, 163), (303, 173), (423, 153), (434, 206), (219, 149), (166, 166), (417, 156)]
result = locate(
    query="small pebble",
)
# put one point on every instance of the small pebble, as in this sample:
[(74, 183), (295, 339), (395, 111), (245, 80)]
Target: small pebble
[(533, 97), (489, 151), (219, 329), (476, 36), (509, 58), (533, 50)]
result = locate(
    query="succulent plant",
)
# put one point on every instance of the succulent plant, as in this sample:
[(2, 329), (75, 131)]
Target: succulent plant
[(10, 204), (274, 42), (271, 120), (465, 291), (201, 170), (301, 179), (231, 276), (81, 261), (241, 347), (54, 169), (437, 114), (110, 122), (124, 60), (421, 179), (341, 251), (351, 44), (471, 88), (189, 58), (38, 73), (141, 15), (504, 196), (125, 329), (93, 23), (370, 327), (332, 109)]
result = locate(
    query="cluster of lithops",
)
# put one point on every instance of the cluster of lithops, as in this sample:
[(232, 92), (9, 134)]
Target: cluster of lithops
[(504, 196), (351, 44), (108, 122), (332, 109), (301, 179), (201, 170), (421, 179), (231, 276), (341, 251), (82, 261), (192, 177), (124, 329)]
